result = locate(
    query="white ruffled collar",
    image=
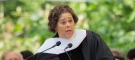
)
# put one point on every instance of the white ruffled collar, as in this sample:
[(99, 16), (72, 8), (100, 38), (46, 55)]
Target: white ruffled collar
[(76, 40)]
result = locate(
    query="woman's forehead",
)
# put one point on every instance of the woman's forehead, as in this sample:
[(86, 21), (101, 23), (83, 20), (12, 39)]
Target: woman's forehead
[(65, 15)]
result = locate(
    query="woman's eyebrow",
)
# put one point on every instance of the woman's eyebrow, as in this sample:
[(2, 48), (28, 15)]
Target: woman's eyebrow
[(62, 19)]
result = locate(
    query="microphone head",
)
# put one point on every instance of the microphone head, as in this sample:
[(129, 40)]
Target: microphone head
[(58, 43), (70, 45)]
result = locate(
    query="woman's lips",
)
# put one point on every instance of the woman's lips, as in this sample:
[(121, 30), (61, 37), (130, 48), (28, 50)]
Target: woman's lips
[(68, 31)]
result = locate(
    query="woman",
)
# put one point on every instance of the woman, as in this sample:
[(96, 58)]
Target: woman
[(83, 45)]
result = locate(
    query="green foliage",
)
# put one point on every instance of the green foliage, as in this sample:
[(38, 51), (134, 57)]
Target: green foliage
[(24, 25)]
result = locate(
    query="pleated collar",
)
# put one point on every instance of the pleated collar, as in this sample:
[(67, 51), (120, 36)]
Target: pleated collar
[(75, 40)]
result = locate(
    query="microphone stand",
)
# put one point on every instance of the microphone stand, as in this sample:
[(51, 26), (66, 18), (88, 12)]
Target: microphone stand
[(68, 46), (57, 44), (67, 54)]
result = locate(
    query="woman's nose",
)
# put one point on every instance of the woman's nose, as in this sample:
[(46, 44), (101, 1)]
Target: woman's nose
[(68, 24)]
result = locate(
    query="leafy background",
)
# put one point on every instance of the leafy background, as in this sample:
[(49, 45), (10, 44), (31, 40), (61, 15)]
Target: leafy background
[(23, 23)]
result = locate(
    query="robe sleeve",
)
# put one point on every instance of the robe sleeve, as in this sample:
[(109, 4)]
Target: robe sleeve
[(94, 48), (46, 56)]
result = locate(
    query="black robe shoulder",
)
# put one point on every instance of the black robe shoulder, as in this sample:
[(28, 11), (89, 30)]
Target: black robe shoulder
[(94, 48)]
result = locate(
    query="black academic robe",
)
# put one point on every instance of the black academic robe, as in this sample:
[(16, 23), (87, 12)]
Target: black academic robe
[(91, 48)]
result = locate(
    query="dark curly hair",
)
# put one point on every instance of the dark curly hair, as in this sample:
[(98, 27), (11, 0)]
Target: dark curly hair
[(55, 14), (131, 54)]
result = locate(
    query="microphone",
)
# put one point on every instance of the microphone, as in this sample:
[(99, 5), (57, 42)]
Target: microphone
[(68, 46), (57, 44)]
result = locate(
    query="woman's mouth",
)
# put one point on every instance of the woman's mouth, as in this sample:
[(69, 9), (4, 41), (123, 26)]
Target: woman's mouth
[(68, 31)]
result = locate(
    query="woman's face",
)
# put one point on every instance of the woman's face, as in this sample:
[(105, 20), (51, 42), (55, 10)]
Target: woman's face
[(65, 26)]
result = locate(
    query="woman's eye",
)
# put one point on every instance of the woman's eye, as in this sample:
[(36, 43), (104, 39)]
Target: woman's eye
[(70, 20), (63, 22)]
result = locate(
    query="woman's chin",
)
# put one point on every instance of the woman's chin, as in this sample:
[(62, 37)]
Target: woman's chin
[(69, 36)]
